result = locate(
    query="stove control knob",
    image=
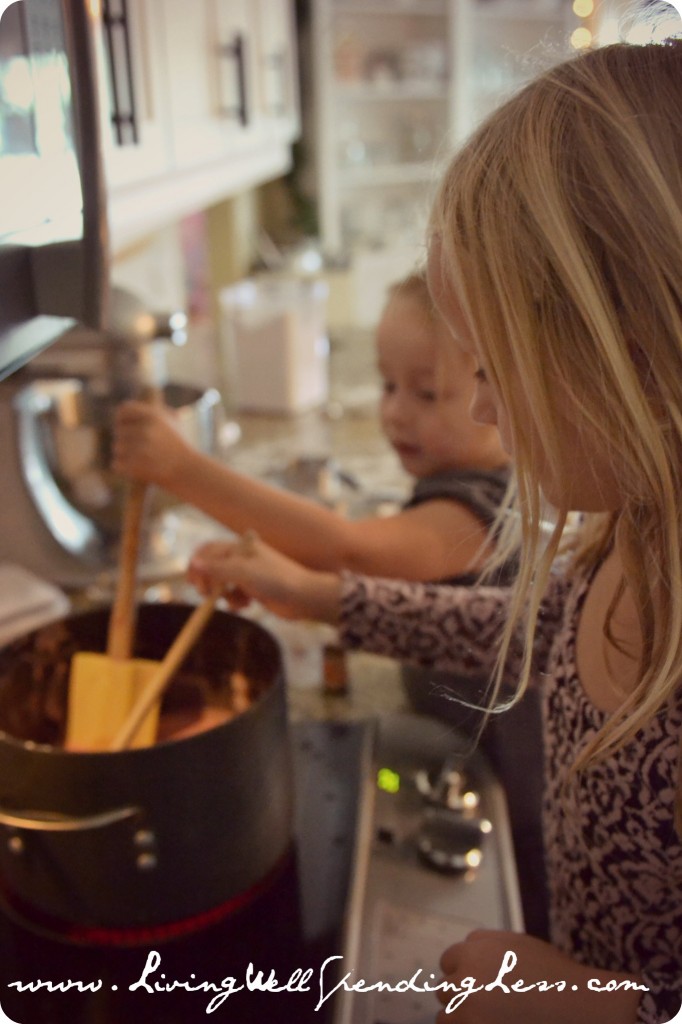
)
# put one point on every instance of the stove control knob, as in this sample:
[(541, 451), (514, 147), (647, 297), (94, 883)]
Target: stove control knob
[(447, 842), (448, 788)]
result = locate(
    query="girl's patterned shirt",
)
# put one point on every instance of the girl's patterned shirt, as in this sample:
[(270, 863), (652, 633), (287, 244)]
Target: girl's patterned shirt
[(614, 860)]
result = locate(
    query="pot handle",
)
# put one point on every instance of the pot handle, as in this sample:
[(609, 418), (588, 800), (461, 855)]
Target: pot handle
[(51, 821)]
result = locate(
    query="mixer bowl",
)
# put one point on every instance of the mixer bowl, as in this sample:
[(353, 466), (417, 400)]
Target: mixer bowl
[(66, 430)]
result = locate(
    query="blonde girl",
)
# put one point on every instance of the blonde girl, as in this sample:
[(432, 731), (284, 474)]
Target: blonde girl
[(556, 258), (459, 467)]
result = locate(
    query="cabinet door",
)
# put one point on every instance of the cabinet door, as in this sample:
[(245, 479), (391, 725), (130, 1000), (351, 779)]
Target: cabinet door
[(135, 140), (384, 87), (275, 72), (189, 70), (207, 43)]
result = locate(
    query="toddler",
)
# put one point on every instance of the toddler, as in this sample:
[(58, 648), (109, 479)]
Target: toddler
[(460, 469)]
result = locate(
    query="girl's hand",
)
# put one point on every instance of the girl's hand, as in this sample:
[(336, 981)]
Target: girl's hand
[(255, 571), (147, 445), (557, 989)]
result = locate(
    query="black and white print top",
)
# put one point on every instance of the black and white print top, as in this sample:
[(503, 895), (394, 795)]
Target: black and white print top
[(614, 860)]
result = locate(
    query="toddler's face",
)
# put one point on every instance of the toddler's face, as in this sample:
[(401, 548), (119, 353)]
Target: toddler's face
[(427, 389)]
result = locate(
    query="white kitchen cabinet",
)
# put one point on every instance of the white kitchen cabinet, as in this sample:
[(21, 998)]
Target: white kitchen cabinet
[(398, 84), (277, 106), (385, 99), (135, 140), (200, 102), (210, 77)]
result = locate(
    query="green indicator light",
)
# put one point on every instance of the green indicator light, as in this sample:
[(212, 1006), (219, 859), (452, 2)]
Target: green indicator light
[(388, 780)]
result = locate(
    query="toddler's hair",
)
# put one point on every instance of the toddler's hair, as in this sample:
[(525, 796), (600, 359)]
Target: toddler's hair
[(415, 286), (560, 232)]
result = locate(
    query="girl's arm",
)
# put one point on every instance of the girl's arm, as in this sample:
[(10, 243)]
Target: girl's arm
[(433, 625), (255, 571), (442, 627), (452, 629), (455, 629), (449, 628), (438, 538)]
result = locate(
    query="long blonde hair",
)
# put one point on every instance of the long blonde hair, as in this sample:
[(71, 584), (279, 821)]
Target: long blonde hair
[(560, 232)]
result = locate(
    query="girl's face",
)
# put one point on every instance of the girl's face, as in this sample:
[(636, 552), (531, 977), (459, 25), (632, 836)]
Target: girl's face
[(428, 386), (585, 478)]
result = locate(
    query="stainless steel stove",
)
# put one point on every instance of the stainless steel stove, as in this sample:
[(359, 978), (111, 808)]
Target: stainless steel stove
[(433, 860)]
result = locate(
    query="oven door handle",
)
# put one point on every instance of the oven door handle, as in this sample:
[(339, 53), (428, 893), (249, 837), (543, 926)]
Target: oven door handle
[(51, 821)]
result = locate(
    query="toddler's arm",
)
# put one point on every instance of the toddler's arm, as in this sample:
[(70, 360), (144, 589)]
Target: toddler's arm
[(436, 539)]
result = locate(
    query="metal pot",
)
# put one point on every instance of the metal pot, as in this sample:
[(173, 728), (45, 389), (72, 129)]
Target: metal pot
[(154, 835)]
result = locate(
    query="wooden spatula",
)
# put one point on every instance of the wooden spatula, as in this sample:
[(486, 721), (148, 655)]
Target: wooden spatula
[(123, 612), (148, 695), (156, 682), (104, 687)]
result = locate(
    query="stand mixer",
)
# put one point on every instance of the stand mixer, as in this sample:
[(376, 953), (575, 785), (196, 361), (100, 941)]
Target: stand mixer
[(60, 512)]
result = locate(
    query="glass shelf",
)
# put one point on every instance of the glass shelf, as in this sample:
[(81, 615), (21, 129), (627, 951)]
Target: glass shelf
[(372, 8), (391, 91), (388, 174)]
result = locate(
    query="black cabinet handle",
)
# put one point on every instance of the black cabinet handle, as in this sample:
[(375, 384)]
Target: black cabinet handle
[(117, 30), (235, 52)]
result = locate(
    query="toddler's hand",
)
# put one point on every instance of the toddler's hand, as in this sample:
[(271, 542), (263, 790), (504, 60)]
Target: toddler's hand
[(147, 446)]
